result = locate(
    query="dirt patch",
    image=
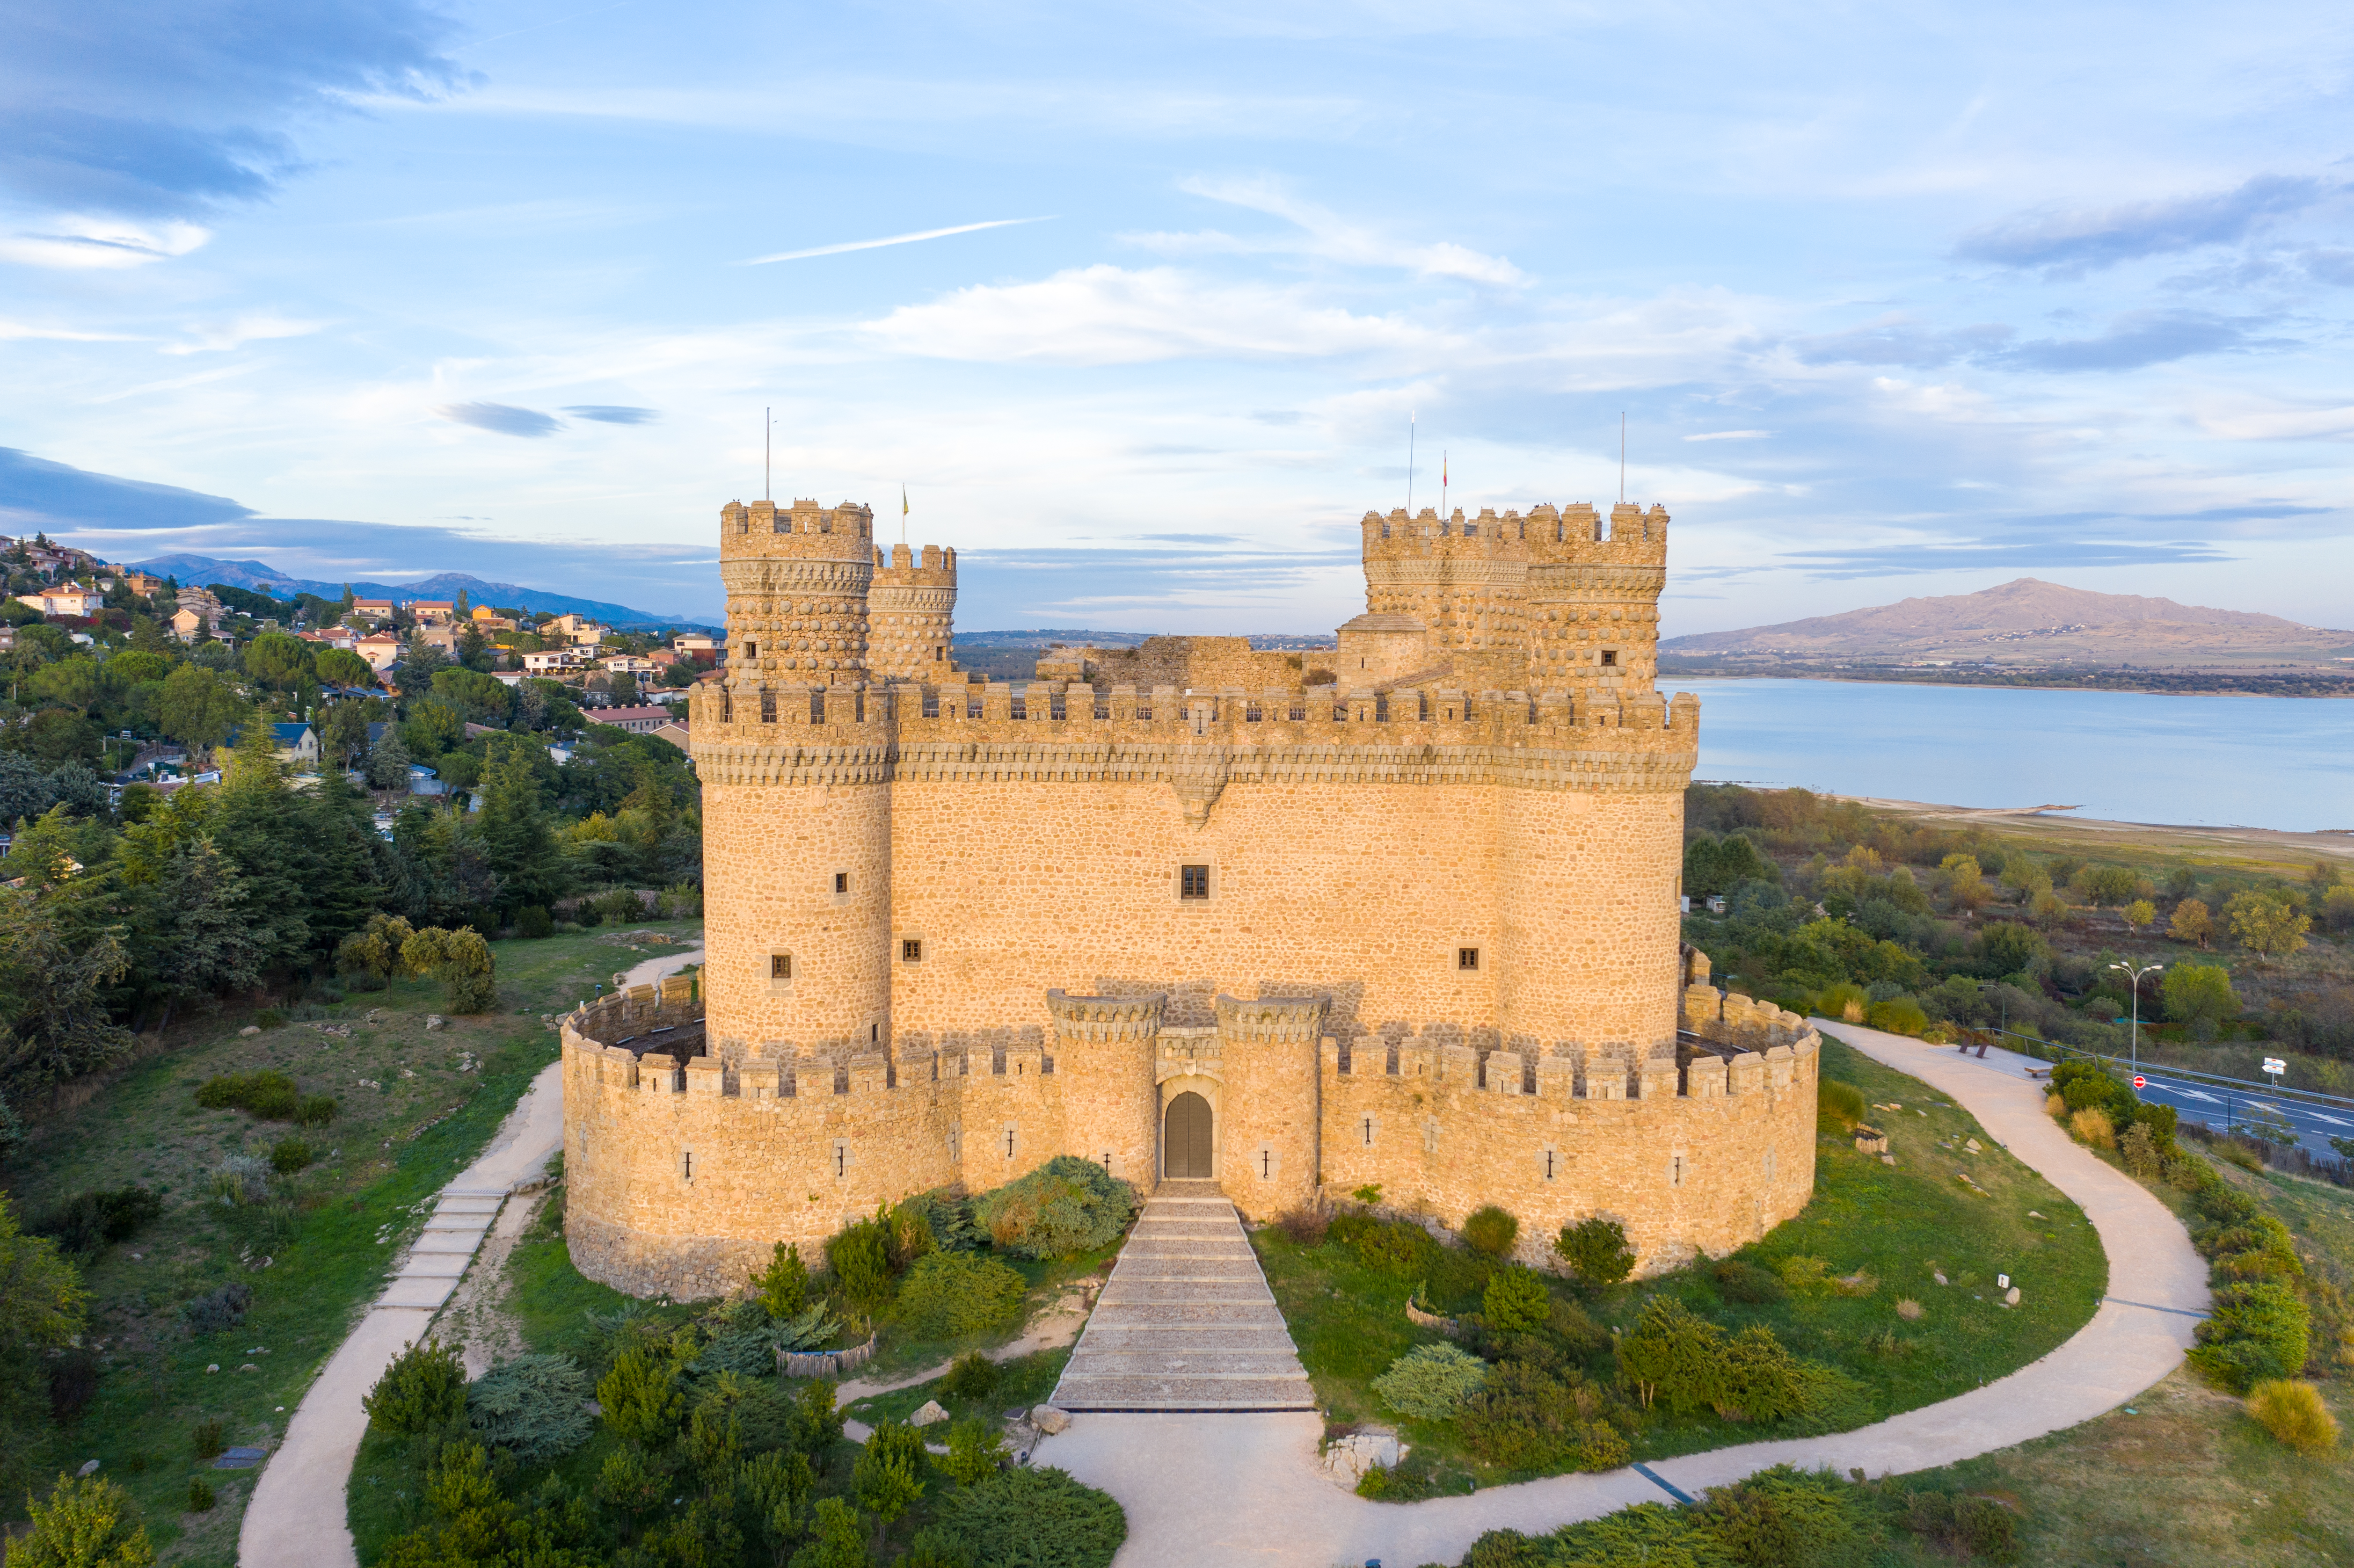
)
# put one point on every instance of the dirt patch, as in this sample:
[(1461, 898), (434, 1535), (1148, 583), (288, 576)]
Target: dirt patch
[(476, 1318)]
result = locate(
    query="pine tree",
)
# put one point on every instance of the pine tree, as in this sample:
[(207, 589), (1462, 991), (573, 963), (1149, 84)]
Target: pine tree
[(194, 932), (518, 842)]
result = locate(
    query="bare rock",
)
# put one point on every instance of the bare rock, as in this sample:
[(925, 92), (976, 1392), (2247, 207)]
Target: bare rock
[(250, 1029), (1346, 1459), (435, 1021), (1972, 1146), (89, 1469), (1049, 1420), (2011, 1297), (930, 1414)]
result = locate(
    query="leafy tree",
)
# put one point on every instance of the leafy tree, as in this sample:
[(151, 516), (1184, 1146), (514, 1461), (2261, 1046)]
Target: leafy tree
[(86, 1524), (279, 659), (342, 667), (782, 1287), (342, 731), (2337, 908), (2139, 913), (1595, 1251), (837, 1539), (2048, 908), (388, 761), (2191, 923), (778, 1484), (640, 1397), (42, 1309), (433, 726), (2106, 884), (260, 827), (58, 735), (194, 933), (888, 1478), (73, 683), (1516, 1301), (478, 698), (419, 661), (198, 707), (424, 1388), (1966, 882), (461, 959), (2200, 991), (54, 1021), (518, 842), (2267, 923), (475, 650)]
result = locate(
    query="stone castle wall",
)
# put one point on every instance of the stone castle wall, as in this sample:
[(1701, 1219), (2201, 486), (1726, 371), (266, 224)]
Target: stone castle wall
[(683, 1171)]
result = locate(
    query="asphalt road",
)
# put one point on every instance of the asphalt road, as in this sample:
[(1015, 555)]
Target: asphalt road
[(2214, 1104)]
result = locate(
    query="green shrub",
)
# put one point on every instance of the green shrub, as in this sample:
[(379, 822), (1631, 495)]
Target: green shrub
[(289, 1155), (1739, 1280), (207, 1439), (1577, 1333), (1431, 1381), (1671, 1357), (316, 1110), (2294, 1414), (972, 1376), (2260, 1329), (271, 1096), (1759, 1380), (269, 1018), (1516, 1301), (1595, 1251), (1065, 1206), (1396, 1249), (1841, 1102), (1966, 1528), (217, 1309), (1785, 1518), (1897, 1015), (89, 1221), (1032, 1517), (976, 1451), (531, 1406), (949, 1295), (1652, 1534), (1491, 1230), (640, 1397), (859, 1256), (242, 1179), (200, 1495), (1522, 1418), (782, 1287), (423, 1389), (534, 922)]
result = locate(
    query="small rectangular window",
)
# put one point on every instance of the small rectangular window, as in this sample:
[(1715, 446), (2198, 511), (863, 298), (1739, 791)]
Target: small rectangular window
[(751, 650), (1195, 882), (911, 950), (1609, 657), (780, 966), (842, 882), (1467, 958)]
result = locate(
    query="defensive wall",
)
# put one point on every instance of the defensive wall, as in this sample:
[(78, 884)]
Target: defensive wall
[(687, 1160)]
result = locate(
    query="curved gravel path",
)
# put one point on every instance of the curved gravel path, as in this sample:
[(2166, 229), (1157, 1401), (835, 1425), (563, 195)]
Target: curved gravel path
[(1218, 1489), (297, 1516)]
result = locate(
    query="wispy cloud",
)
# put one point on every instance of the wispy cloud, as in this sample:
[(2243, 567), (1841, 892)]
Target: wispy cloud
[(1730, 436), (26, 330), (1323, 233), (502, 418), (257, 327), (86, 244), (2140, 338), (889, 239), (613, 413), (2101, 236)]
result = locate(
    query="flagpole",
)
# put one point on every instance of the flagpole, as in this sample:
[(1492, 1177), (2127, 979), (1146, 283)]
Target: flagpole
[(1409, 462), (767, 418)]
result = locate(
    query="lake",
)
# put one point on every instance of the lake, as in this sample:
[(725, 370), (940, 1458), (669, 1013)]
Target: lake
[(2252, 762)]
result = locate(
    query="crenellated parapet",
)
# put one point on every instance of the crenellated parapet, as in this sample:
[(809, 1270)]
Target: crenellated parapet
[(911, 615)]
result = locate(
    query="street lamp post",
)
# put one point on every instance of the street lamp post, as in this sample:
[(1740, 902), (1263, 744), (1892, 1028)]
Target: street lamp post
[(2135, 975)]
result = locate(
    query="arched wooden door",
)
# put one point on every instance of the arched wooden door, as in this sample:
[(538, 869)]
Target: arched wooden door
[(1185, 1140)]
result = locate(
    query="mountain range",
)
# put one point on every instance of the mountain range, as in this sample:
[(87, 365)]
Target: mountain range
[(2029, 621), (199, 571)]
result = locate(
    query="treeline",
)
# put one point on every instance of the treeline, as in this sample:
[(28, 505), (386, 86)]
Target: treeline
[(1830, 907)]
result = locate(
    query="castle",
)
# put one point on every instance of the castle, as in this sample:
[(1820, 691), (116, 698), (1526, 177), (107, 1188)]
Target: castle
[(1401, 914)]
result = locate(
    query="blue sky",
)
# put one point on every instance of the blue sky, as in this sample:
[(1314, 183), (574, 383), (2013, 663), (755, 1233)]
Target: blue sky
[(1894, 299)]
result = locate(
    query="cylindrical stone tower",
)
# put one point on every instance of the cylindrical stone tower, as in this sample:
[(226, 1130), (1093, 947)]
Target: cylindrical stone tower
[(911, 615), (798, 929), (1268, 1050), (1592, 599), (1103, 1049)]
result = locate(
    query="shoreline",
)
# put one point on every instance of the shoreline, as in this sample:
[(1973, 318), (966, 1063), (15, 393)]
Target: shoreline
[(2342, 685), (2264, 846)]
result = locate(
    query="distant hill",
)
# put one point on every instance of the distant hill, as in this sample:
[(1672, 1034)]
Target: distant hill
[(199, 571), (2030, 621)]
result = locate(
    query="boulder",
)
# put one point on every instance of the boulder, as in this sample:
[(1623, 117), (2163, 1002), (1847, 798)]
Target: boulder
[(2011, 1297), (1346, 1459), (250, 1029), (1049, 1420), (929, 1414)]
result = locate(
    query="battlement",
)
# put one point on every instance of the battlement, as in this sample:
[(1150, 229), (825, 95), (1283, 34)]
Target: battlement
[(1543, 534), (804, 530), (903, 568)]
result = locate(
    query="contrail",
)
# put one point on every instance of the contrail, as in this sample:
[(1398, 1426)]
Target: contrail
[(894, 240)]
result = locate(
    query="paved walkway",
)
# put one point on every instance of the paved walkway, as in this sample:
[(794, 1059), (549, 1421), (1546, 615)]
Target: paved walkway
[(1268, 1502), (296, 1518), (1186, 1321)]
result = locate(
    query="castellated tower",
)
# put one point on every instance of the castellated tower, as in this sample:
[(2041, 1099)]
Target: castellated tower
[(910, 612), (1403, 915)]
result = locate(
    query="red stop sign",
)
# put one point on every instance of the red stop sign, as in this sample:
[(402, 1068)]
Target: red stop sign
[(2140, 1082)]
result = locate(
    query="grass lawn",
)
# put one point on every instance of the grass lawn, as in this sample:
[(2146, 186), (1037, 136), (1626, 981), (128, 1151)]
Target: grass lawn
[(2181, 1477), (1898, 1225), (415, 1106)]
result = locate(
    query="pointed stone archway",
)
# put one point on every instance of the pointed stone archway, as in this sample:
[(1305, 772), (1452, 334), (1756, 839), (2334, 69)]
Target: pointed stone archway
[(1187, 1148)]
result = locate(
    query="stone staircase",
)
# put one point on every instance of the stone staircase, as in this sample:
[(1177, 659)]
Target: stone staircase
[(1186, 1321)]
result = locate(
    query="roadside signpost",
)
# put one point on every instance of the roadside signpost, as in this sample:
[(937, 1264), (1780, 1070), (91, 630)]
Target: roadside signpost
[(2276, 1068), (2140, 1082)]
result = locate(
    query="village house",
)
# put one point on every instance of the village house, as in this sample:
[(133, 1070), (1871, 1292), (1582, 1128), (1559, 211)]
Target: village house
[(380, 648), (298, 742), (643, 720), (432, 612), (577, 629), (553, 660), (69, 599), (376, 610)]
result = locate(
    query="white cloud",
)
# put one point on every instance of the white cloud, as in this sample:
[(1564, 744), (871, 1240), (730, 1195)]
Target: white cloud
[(1730, 436), (86, 243), (1326, 234), (1113, 315), (13, 331), (252, 327), (2281, 424)]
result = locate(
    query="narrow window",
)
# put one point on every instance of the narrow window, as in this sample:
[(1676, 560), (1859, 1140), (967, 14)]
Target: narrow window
[(842, 882), (780, 966), (686, 1164), (1549, 1164), (1009, 1143), (1467, 958), (911, 950), (1265, 1164), (1369, 1132), (1195, 882), (1609, 657), (751, 650), (840, 1161)]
